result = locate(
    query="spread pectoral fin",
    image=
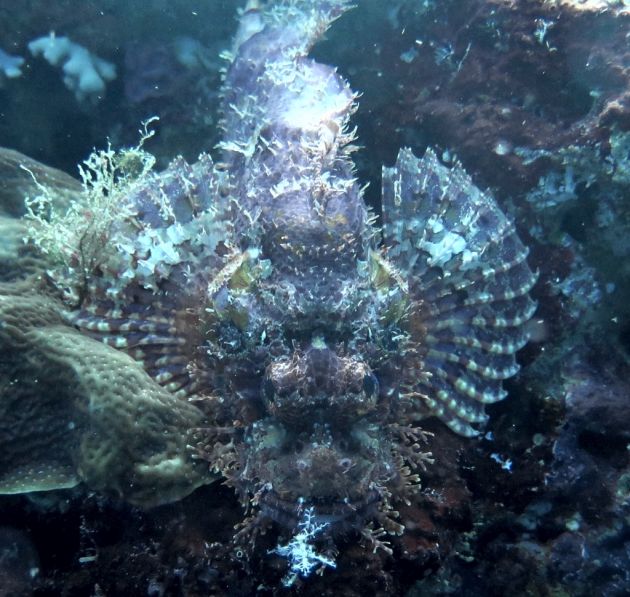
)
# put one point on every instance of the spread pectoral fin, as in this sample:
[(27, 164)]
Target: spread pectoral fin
[(468, 280)]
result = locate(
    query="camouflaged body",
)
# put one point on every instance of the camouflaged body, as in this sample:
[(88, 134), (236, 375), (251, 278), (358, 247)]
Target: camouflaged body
[(260, 289)]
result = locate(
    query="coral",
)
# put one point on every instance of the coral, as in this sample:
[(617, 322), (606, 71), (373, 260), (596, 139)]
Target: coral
[(83, 411), (595, 5), (506, 93), (593, 441), (20, 177), (579, 205), (619, 158), (10, 66), (85, 74), (17, 259), (73, 409)]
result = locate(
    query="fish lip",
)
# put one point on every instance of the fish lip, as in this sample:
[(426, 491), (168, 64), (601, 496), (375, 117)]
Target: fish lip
[(338, 514)]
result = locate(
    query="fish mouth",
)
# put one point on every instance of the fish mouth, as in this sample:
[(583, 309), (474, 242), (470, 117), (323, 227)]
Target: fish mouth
[(339, 514)]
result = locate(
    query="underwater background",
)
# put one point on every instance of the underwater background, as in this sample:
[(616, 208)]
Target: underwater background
[(533, 98)]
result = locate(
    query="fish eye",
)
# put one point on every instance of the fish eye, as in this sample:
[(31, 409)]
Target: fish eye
[(345, 463)]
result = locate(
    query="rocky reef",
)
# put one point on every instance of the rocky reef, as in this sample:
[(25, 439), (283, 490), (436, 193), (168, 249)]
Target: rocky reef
[(248, 334)]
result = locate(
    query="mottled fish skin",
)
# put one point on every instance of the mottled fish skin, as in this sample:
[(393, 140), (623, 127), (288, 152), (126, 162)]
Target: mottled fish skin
[(286, 149), (263, 291), (468, 278)]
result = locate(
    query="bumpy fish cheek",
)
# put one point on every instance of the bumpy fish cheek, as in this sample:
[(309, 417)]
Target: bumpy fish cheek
[(337, 471)]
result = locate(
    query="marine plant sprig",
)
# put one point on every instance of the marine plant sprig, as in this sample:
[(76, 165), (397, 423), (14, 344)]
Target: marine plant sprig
[(75, 238)]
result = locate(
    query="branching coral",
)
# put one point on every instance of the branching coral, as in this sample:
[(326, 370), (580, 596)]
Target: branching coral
[(84, 73)]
